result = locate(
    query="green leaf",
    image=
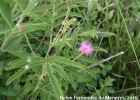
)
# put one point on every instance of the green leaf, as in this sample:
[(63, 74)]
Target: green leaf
[(38, 17), (110, 90), (85, 59), (61, 15), (7, 92), (111, 14), (1, 67), (61, 71), (13, 43), (54, 81), (26, 5), (20, 63), (105, 34), (15, 76), (80, 76), (90, 5), (75, 14), (27, 88), (69, 62), (73, 84), (61, 6), (35, 94), (91, 33), (119, 76), (31, 5), (18, 53), (42, 8), (17, 63), (16, 85), (6, 13), (37, 26), (64, 6), (22, 4), (4, 31), (107, 68), (109, 81), (91, 73), (97, 48), (71, 14), (51, 59), (94, 33), (57, 23), (49, 14), (101, 82)]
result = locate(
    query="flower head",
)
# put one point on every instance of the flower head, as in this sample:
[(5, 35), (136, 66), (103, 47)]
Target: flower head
[(26, 67), (69, 2), (28, 60), (64, 22), (21, 28), (86, 48)]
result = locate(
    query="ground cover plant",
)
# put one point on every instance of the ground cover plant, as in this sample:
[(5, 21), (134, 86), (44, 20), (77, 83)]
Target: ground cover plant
[(67, 49)]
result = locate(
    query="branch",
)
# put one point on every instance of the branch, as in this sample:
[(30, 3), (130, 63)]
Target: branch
[(105, 60)]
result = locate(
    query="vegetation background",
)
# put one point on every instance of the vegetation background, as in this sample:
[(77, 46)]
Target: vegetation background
[(39, 41)]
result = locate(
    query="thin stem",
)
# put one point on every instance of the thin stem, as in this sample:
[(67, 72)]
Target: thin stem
[(57, 36), (29, 44), (51, 45), (39, 82), (77, 57), (14, 8), (128, 89), (67, 13), (10, 35), (40, 43), (128, 35), (107, 59), (52, 24)]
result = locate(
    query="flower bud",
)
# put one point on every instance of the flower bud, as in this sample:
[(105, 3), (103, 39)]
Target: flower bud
[(28, 60), (69, 2), (26, 67), (22, 29)]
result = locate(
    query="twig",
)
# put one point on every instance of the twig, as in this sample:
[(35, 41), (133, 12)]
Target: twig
[(108, 6), (105, 60), (40, 43)]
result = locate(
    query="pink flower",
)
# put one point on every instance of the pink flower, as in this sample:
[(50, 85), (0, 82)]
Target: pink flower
[(86, 48)]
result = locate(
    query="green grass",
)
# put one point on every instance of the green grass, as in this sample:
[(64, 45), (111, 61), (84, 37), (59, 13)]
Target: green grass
[(128, 64)]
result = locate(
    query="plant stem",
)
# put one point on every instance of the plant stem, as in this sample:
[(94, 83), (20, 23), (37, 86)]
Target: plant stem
[(51, 45), (107, 59), (29, 43), (128, 89), (57, 36), (77, 57), (38, 83), (41, 42), (67, 12), (10, 35)]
